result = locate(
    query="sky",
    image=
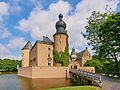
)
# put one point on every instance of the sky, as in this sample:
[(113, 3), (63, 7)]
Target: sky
[(23, 20)]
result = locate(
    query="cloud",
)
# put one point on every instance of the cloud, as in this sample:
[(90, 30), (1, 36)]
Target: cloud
[(10, 56), (5, 53), (3, 8), (4, 33), (18, 42), (3, 50), (42, 22)]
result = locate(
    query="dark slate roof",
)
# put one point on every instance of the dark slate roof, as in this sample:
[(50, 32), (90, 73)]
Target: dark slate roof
[(73, 51), (46, 40), (80, 54), (28, 45), (60, 25)]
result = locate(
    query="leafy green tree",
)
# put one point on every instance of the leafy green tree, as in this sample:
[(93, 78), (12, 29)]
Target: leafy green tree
[(92, 28), (9, 65), (109, 34), (95, 63)]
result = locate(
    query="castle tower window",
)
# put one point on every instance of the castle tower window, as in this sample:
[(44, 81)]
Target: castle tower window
[(60, 48), (49, 54), (49, 62), (49, 48), (34, 59), (84, 61), (60, 36), (60, 42)]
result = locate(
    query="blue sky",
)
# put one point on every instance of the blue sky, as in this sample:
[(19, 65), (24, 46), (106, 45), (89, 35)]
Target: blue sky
[(23, 20)]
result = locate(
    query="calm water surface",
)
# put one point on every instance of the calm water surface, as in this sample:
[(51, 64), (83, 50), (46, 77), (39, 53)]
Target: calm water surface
[(13, 82)]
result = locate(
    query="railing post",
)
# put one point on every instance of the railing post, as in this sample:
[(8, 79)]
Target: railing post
[(100, 79)]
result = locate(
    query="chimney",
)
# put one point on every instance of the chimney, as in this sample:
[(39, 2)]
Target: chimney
[(66, 31), (44, 38), (86, 48)]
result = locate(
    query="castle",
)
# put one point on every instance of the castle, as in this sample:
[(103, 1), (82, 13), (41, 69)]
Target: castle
[(37, 60)]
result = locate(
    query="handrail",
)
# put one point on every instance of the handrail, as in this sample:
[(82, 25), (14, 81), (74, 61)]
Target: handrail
[(87, 74)]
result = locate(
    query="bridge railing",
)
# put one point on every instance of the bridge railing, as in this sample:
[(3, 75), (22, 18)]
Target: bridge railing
[(88, 75)]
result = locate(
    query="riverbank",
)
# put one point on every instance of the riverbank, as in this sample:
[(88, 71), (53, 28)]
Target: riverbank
[(77, 88)]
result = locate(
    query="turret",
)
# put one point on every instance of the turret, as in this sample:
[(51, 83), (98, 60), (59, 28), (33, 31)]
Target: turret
[(60, 37), (25, 54), (73, 55)]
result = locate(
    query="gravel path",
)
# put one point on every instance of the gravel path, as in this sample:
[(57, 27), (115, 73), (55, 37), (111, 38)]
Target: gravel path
[(109, 83)]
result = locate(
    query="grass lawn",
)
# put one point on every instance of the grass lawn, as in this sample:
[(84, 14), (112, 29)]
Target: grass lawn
[(75, 88)]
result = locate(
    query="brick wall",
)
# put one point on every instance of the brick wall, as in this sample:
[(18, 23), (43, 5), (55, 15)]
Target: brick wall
[(60, 42)]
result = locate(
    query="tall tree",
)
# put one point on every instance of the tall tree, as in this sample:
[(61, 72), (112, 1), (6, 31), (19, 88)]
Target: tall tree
[(92, 28), (109, 35)]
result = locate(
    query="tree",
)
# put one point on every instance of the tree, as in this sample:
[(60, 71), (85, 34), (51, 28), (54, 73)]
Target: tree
[(109, 34), (95, 63), (92, 28), (9, 65)]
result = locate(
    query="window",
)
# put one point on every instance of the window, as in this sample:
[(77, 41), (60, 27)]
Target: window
[(49, 54), (60, 54), (49, 48), (49, 62), (60, 36), (60, 48), (34, 59), (84, 61), (60, 42)]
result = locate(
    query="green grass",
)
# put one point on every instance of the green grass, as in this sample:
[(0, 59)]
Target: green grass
[(76, 88)]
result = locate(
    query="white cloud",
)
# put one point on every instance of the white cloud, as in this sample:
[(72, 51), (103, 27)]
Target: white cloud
[(18, 42), (42, 22), (9, 56), (3, 50), (5, 53), (4, 33), (15, 6), (3, 8)]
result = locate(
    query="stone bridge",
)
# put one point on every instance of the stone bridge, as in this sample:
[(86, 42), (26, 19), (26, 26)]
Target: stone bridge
[(85, 77)]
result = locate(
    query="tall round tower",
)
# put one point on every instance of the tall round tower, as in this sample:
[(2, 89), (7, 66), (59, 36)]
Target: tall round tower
[(60, 37)]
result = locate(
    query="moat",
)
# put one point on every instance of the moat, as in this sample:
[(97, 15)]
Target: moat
[(13, 82), (10, 81)]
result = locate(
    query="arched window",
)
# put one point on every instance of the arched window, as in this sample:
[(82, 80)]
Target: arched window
[(75, 67)]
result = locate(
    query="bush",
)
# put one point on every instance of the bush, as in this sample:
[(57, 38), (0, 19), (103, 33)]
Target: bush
[(95, 63)]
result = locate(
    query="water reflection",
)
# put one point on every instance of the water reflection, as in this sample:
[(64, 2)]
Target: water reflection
[(40, 84), (13, 82)]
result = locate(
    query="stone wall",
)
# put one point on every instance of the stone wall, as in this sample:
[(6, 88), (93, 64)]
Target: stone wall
[(25, 57), (87, 69), (33, 56), (42, 54), (44, 72), (25, 72)]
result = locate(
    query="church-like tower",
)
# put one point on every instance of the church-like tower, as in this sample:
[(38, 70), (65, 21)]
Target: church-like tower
[(60, 37)]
